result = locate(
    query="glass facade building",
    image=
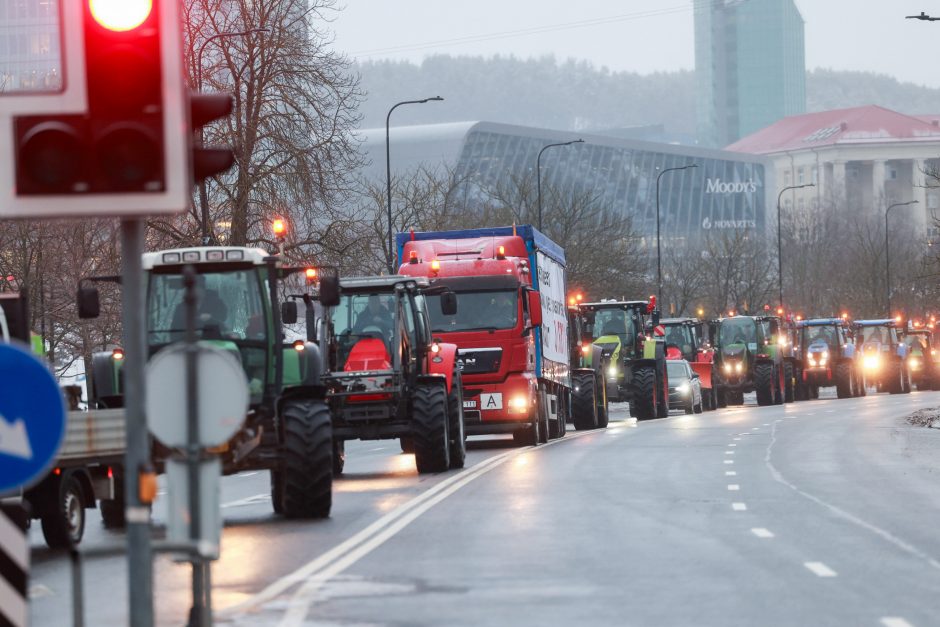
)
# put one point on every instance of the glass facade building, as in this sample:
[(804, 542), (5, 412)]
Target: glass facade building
[(725, 191), (30, 46), (750, 66)]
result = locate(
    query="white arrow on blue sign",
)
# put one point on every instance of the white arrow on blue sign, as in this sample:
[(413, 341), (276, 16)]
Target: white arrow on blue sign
[(32, 418)]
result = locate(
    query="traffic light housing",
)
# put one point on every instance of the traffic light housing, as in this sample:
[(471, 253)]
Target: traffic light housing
[(116, 144), (205, 108)]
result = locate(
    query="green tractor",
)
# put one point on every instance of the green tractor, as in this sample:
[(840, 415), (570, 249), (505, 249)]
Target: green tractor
[(287, 430), (637, 360), (750, 358)]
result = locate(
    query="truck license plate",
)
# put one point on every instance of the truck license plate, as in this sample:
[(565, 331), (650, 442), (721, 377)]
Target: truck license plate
[(469, 404), (491, 401)]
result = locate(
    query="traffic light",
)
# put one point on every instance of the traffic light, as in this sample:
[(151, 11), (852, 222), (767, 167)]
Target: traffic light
[(205, 108), (119, 146)]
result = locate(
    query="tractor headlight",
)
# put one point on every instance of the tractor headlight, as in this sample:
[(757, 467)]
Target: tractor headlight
[(727, 368), (914, 363), (871, 362), (739, 367), (612, 371)]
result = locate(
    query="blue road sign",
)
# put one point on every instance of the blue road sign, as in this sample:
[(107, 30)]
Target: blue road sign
[(32, 418)]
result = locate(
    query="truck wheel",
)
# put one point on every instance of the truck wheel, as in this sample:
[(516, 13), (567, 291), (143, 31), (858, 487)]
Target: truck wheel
[(644, 392), (763, 383), (308, 459), (788, 387), (542, 413), (429, 428), (64, 527), (527, 436), (584, 402), (339, 457), (843, 381), (458, 442)]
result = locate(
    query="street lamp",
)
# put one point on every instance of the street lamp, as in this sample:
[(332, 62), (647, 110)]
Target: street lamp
[(779, 256), (659, 260), (388, 176), (887, 251), (203, 194), (538, 172), (922, 16)]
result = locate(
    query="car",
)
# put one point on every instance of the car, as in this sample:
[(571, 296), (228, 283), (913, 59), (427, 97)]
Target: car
[(685, 389)]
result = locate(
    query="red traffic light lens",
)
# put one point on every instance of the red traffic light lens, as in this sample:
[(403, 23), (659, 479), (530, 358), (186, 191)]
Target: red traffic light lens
[(120, 15)]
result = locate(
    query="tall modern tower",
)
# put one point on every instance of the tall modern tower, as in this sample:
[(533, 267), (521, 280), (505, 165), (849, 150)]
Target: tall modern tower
[(750, 66)]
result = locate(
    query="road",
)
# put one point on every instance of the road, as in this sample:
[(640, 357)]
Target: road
[(821, 512)]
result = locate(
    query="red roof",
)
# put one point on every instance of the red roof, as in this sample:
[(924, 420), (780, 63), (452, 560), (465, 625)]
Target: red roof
[(859, 125)]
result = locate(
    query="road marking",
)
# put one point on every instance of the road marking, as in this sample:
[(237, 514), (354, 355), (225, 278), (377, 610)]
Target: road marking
[(766, 424), (739, 507), (732, 444), (760, 532), (734, 487), (729, 461), (248, 500), (895, 621), (830, 411), (248, 474), (730, 473), (323, 568), (729, 452), (755, 428), (878, 531), (819, 569), (737, 439)]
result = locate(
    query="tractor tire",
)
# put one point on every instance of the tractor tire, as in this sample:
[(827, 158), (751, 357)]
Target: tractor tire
[(339, 457), (764, 383), (843, 381), (277, 492), (905, 379), (645, 393), (721, 399), (663, 401), (308, 459), (778, 385), (861, 386), (430, 430), (895, 382), (789, 391), (458, 436), (64, 527), (584, 403), (735, 398), (112, 510), (407, 446)]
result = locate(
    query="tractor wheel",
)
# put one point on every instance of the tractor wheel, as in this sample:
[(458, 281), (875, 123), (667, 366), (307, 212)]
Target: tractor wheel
[(778, 385), (861, 385), (662, 409), (764, 383), (895, 384), (603, 409), (584, 402), (645, 393), (458, 442), (905, 379), (789, 394), (112, 510), (277, 491), (430, 429), (843, 381), (339, 457), (64, 527), (308, 459), (407, 445), (721, 399)]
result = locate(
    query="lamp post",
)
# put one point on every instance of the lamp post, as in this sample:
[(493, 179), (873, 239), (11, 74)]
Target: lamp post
[(388, 175), (779, 247), (887, 250), (203, 194), (538, 172), (659, 259)]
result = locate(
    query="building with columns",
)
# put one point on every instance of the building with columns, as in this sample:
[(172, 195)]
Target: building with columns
[(863, 158)]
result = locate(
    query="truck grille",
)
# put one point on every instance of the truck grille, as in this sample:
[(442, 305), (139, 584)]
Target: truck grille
[(479, 360)]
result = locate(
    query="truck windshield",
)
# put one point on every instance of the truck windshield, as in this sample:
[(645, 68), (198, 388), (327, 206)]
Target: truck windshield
[(737, 331), (490, 310)]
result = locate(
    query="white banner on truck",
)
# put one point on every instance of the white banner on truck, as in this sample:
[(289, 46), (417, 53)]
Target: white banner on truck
[(552, 288)]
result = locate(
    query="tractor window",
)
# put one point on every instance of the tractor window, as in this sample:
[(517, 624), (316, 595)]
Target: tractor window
[(230, 307), (738, 331), (360, 316), (680, 336), (490, 310), (617, 322), (878, 335), (827, 333)]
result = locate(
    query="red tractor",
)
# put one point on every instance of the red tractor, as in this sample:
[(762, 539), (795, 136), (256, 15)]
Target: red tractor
[(685, 339), (388, 377)]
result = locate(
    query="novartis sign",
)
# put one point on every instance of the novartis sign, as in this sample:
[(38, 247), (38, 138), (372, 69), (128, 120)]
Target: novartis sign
[(717, 186)]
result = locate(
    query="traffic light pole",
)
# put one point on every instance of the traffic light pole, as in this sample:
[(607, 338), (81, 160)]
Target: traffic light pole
[(137, 455)]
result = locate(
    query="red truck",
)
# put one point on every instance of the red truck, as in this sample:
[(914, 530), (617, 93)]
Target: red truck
[(511, 325)]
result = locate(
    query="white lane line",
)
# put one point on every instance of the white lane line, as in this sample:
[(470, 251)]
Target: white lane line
[(248, 500), (878, 531), (737, 439), (739, 507), (733, 487), (321, 569), (729, 452), (766, 424), (729, 461), (730, 473), (732, 444), (243, 475), (819, 569), (755, 428), (760, 532), (830, 411), (894, 621)]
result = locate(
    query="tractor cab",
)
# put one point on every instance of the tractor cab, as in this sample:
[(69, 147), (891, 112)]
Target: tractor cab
[(684, 338)]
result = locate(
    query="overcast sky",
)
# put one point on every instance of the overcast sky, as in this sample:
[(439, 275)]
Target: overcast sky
[(634, 35)]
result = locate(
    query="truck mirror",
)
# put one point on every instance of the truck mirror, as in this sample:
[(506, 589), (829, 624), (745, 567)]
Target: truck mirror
[(289, 312), (655, 317), (89, 306), (329, 291), (535, 308), (588, 328), (448, 303)]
